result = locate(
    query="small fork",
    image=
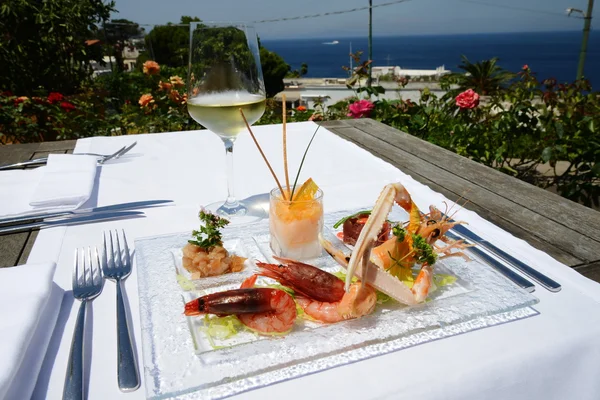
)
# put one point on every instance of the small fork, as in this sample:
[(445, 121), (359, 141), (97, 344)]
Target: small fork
[(116, 265), (87, 285)]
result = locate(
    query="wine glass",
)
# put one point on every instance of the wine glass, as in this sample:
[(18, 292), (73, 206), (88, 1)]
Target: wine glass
[(224, 76)]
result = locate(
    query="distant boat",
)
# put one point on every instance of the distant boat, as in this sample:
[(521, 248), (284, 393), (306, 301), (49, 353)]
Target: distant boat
[(334, 42)]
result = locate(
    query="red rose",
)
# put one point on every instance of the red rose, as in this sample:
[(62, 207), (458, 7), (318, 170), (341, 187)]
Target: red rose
[(525, 67), (55, 97), (301, 108), (361, 108), (65, 105), (467, 99)]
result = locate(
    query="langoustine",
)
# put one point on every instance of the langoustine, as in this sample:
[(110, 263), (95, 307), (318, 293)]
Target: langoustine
[(413, 243)]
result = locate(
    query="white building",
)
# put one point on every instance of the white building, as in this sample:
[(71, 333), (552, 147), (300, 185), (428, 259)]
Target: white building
[(411, 73)]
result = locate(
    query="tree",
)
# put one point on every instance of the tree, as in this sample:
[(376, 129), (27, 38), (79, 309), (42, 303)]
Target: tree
[(485, 77), (298, 74), (169, 44), (44, 43), (118, 34), (274, 70)]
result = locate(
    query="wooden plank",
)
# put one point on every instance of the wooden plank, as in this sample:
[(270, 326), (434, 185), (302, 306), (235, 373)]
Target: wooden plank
[(27, 247), (11, 248), (591, 270), (574, 248), (13, 153), (572, 215), (58, 147)]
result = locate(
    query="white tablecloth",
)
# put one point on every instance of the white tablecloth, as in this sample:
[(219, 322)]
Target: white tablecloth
[(554, 355)]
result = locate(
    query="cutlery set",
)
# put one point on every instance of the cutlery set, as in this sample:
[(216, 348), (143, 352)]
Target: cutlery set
[(102, 158), (90, 271), (62, 218)]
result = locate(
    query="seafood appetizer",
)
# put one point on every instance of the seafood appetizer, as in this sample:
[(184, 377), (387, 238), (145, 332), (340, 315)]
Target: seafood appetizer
[(388, 266), (205, 255), (268, 311)]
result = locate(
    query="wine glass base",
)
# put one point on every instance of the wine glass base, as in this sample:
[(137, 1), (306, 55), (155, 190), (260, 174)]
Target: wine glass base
[(241, 213)]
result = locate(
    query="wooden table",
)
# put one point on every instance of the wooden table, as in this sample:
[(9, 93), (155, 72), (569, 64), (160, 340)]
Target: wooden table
[(567, 231)]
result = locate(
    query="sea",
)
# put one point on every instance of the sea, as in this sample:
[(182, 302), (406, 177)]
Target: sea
[(548, 54)]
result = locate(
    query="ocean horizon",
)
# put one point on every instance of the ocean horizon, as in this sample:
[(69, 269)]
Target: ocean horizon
[(548, 54)]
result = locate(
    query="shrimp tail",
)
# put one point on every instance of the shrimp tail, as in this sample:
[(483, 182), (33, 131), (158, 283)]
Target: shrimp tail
[(249, 282)]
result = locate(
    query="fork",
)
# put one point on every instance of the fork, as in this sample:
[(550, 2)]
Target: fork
[(87, 285), (116, 265), (102, 158)]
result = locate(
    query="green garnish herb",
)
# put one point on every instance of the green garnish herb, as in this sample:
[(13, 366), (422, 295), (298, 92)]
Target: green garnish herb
[(423, 251), (209, 234), (399, 232), (302, 162), (341, 221)]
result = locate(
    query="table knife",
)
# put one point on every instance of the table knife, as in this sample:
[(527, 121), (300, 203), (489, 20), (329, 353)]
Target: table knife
[(77, 220), (11, 221), (498, 266), (520, 266)]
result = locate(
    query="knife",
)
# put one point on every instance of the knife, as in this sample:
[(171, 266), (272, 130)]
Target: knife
[(520, 266), (10, 221), (83, 219), (498, 266)]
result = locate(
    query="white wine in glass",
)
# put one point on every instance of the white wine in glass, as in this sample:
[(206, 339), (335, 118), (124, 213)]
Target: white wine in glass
[(224, 76)]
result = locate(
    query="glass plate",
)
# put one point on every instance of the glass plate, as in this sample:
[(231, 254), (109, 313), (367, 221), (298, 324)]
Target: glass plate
[(180, 360)]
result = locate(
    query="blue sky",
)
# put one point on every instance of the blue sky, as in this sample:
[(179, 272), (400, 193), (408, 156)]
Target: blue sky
[(414, 17)]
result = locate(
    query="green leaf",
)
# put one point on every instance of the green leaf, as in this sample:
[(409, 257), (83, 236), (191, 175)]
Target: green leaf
[(302, 162), (341, 221), (596, 169), (560, 129), (547, 154)]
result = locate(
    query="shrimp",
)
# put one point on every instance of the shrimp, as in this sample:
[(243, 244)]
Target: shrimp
[(264, 310), (305, 279), (321, 294), (354, 304), (278, 321)]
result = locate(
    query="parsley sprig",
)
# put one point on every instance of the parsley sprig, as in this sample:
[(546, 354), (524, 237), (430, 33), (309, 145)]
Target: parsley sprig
[(209, 234)]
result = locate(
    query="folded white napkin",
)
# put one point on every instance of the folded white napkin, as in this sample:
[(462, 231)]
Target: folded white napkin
[(29, 306), (65, 183)]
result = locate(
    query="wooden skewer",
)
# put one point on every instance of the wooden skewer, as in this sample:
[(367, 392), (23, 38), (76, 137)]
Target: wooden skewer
[(285, 160), (283, 194)]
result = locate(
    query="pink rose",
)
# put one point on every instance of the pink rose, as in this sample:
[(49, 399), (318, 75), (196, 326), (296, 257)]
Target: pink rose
[(525, 67), (467, 99), (361, 108)]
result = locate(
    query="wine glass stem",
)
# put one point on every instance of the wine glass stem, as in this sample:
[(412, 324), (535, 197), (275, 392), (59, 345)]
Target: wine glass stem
[(231, 201)]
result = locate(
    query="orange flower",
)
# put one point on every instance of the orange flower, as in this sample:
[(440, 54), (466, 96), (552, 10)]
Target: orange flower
[(145, 100), (151, 68), (177, 81), (301, 108), (177, 97), (166, 86)]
